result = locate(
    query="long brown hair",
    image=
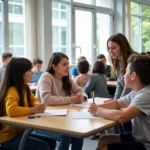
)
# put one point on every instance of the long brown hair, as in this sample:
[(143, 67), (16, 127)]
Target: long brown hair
[(126, 51), (14, 72), (55, 59)]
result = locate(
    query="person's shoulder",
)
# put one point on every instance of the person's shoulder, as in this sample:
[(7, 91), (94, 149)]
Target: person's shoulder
[(144, 94), (12, 90)]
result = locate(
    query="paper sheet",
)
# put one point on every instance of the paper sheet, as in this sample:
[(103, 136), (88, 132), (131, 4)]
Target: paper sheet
[(83, 115), (61, 112)]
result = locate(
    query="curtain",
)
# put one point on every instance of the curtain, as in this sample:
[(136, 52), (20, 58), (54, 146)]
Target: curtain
[(30, 28)]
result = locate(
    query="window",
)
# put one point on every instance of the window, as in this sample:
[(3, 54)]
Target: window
[(60, 27), (16, 27), (140, 23), (104, 3)]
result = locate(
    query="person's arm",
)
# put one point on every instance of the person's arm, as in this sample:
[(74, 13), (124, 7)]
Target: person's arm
[(76, 89), (44, 92), (117, 115), (12, 104), (89, 87), (114, 104)]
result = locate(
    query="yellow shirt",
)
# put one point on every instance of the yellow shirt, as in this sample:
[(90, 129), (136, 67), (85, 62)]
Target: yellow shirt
[(13, 109)]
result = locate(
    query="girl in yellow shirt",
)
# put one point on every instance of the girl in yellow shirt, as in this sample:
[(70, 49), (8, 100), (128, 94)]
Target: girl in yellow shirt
[(16, 99)]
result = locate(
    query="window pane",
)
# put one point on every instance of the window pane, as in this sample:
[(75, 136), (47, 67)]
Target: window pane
[(134, 8), (15, 7), (103, 33), (135, 33), (84, 1), (83, 34), (55, 35), (61, 28), (63, 36), (146, 11), (145, 35), (103, 3), (16, 27)]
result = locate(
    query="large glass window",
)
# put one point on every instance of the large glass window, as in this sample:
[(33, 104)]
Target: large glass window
[(140, 26), (60, 27), (16, 27)]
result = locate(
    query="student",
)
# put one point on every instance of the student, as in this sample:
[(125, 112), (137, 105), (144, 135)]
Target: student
[(17, 100), (6, 56), (74, 72), (119, 51), (83, 77), (102, 58), (56, 88), (135, 107), (97, 81), (37, 65)]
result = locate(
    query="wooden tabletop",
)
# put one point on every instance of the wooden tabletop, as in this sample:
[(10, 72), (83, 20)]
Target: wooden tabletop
[(62, 124), (112, 83)]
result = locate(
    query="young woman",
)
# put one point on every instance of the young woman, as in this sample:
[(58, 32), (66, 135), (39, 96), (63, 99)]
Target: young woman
[(16, 99), (119, 51), (97, 81), (56, 88)]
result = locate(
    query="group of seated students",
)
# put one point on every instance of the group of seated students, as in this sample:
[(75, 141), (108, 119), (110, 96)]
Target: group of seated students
[(55, 87)]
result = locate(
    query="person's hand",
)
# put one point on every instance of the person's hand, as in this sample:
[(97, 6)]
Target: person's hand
[(80, 96), (40, 108), (75, 99), (93, 108)]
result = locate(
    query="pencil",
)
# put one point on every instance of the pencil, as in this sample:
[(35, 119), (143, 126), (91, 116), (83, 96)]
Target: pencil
[(93, 97)]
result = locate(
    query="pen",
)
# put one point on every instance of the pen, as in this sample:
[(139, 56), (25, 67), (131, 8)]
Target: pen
[(93, 97), (32, 116)]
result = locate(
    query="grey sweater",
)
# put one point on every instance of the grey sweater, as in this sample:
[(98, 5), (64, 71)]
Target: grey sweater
[(98, 84), (121, 90)]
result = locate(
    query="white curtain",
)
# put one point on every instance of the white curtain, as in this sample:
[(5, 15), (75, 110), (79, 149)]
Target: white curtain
[(128, 19), (30, 28)]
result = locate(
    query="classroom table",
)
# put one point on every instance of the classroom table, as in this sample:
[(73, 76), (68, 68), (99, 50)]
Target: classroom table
[(61, 124)]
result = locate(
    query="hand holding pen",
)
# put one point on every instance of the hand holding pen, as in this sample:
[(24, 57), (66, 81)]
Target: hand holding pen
[(93, 108)]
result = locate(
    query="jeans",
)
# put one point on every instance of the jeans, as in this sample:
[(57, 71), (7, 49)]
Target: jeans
[(34, 142), (63, 140)]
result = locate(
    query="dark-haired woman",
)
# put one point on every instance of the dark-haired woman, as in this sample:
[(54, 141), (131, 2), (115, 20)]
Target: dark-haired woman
[(16, 100), (119, 51), (56, 88)]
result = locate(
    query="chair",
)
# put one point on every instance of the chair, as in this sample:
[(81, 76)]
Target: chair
[(2, 148)]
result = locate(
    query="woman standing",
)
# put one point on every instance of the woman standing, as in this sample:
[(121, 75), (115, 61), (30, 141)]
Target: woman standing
[(119, 51)]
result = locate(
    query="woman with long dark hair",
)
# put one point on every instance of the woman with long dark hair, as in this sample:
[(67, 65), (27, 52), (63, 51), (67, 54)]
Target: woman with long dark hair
[(17, 100), (119, 51), (55, 87)]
